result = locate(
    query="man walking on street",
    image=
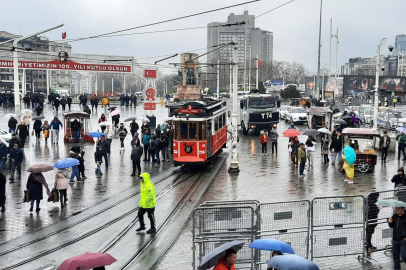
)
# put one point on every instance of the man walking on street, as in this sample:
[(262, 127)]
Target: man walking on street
[(16, 156), (384, 144), (147, 202), (302, 159), (401, 138), (398, 223), (105, 146), (55, 125), (337, 146), (273, 135)]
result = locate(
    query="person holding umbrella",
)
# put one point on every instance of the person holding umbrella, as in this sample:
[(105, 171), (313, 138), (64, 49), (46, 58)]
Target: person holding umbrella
[(294, 145), (109, 135), (62, 184), (34, 186), (228, 261), (325, 142), (311, 147), (398, 223), (75, 168), (102, 119), (349, 158)]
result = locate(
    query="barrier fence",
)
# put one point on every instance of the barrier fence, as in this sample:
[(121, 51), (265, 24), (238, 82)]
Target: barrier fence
[(325, 227)]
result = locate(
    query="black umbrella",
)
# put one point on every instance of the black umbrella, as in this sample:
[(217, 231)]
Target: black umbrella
[(311, 132), (130, 119), (111, 108), (349, 117), (340, 121), (212, 258), (38, 118)]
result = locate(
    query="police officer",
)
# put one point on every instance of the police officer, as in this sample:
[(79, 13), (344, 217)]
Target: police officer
[(147, 202)]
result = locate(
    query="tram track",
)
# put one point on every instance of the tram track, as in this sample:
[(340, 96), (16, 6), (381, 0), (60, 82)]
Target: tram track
[(95, 230), (87, 217), (142, 248)]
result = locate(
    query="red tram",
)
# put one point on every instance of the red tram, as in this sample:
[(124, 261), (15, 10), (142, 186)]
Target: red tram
[(200, 131)]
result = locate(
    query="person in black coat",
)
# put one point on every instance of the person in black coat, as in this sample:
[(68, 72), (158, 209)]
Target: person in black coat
[(56, 105), (12, 125), (134, 128), (69, 101), (165, 149), (399, 177), (373, 211), (23, 133), (158, 131), (158, 147), (337, 146), (2, 192), (34, 186), (136, 155), (37, 128)]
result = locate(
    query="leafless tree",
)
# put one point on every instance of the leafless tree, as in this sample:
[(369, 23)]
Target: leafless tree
[(367, 70)]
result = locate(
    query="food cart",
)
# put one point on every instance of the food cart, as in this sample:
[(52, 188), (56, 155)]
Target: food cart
[(363, 140), (324, 117), (84, 120)]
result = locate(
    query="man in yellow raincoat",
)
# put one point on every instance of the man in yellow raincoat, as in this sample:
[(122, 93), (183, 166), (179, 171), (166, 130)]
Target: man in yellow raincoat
[(147, 202)]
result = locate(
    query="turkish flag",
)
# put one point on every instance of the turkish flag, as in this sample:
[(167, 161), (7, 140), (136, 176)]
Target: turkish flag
[(259, 63), (150, 73), (63, 35)]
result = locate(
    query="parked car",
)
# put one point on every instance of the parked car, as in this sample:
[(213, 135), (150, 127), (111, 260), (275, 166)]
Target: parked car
[(282, 111), (296, 115)]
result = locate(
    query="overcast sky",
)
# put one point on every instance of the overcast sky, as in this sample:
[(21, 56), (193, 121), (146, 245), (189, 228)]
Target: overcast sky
[(362, 24)]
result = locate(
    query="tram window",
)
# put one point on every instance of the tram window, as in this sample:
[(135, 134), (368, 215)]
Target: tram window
[(216, 124), (241, 104), (183, 131), (192, 131), (224, 120), (202, 130), (220, 122), (175, 130)]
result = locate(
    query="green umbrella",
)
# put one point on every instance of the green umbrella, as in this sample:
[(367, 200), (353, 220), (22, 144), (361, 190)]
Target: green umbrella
[(391, 202)]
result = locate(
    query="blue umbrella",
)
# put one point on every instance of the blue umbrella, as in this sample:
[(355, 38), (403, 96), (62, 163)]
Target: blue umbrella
[(272, 245), (213, 257), (66, 163), (350, 155), (291, 262), (391, 202), (401, 129), (96, 134)]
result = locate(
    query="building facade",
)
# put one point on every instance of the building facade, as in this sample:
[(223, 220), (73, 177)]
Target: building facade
[(35, 80), (251, 40)]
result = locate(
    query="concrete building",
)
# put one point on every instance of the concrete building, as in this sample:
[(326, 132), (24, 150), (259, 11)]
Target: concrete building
[(261, 41), (367, 66), (400, 44), (36, 80)]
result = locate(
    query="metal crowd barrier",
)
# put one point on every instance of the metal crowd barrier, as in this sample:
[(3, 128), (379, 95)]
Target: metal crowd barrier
[(215, 225), (337, 226), (286, 221)]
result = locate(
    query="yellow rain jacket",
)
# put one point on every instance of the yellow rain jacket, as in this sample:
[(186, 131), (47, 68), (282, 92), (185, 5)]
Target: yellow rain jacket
[(105, 101), (148, 195)]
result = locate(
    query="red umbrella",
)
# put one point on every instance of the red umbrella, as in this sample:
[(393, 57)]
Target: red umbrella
[(87, 261), (291, 133)]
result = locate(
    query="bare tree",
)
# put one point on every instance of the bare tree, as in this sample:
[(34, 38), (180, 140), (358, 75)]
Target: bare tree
[(367, 70)]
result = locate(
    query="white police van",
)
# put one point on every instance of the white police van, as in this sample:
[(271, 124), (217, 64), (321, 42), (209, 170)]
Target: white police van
[(258, 112)]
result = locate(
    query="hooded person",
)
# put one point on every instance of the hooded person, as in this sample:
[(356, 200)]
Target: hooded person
[(55, 126), (373, 211), (147, 202), (399, 177)]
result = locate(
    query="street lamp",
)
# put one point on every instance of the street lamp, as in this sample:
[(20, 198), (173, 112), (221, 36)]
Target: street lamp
[(376, 102), (15, 66)]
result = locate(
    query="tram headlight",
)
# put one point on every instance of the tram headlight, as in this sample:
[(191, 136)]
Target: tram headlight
[(188, 149)]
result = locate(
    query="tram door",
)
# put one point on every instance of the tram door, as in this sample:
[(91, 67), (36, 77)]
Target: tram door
[(209, 139)]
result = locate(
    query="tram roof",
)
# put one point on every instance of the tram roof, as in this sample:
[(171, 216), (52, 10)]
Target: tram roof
[(76, 114)]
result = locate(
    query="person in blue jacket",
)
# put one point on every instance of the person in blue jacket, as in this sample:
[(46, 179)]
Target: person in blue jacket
[(16, 156), (145, 141), (55, 125)]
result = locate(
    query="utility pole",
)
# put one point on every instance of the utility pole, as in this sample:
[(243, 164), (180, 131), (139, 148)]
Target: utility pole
[(331, 35), (256, 82), (234, 155), (318, 62), (231, 77), (103, 86), (376, 101), (48, 81), (24, 85), (249, 71), (112, 86), (95, 88), (218, 78)]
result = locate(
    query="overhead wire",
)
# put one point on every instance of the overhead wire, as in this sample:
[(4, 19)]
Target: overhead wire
[(165, 21)]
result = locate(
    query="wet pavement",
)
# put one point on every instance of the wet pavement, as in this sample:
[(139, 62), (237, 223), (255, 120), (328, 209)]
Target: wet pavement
[(268, 178), (271, 178), (17, 220)]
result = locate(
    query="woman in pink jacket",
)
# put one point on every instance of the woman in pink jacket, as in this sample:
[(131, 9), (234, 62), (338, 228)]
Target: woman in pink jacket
[(62, 184)]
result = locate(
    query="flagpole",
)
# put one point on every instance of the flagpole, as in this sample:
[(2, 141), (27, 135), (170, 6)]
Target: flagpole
[(256, 83)]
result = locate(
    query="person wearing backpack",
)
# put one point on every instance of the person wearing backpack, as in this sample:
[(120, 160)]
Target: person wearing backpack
[(145, 141), (151, 148), (136, 155)]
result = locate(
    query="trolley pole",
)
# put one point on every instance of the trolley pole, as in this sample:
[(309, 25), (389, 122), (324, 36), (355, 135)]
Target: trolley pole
[(234, 155), (218, 79)]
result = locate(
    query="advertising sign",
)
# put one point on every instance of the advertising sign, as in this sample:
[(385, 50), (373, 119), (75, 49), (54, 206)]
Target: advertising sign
[(65, 65), (334, 85), (358, 85), (150, 106), (275, 83), (392, 84)]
